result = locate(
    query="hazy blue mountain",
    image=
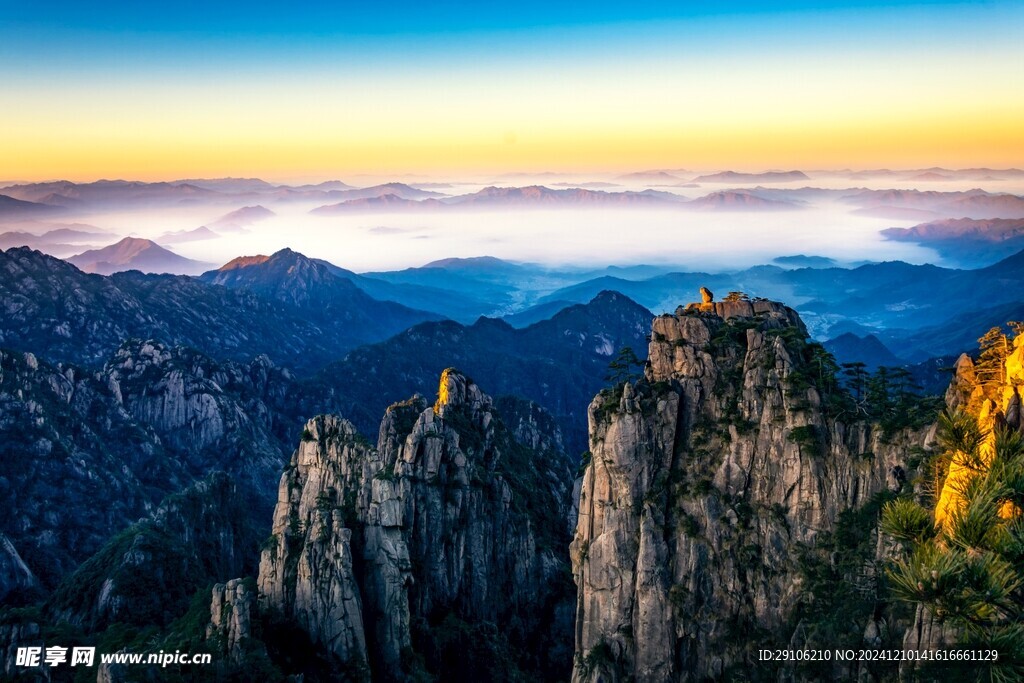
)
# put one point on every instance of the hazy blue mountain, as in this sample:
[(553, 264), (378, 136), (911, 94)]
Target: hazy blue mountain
[(556, 363), (849, 348), (333, 303), (967, 242), (804, 261), (537, 313)]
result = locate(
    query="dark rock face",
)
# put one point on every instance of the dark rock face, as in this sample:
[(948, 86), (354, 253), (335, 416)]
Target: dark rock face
[(344, 312), (449, 530), (153, 421), (705, 479)]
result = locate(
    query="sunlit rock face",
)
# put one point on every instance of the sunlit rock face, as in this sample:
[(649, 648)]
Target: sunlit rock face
[(706, 476), (993, 397)]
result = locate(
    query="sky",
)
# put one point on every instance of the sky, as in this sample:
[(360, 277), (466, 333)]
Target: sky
[(172, 90)]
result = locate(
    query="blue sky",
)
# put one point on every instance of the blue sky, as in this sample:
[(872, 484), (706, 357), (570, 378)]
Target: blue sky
[(261, 18), (162, 89)]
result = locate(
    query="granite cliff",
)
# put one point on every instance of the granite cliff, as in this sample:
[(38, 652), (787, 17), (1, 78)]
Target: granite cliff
[(439, 553), (708, 479)]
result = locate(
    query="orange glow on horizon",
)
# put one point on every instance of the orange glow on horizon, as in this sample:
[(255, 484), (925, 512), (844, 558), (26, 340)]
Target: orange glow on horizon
[(952, 142)]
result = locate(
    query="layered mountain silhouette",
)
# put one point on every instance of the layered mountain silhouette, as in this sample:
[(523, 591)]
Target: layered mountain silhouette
[(109, 192), (554, 362), (239, 219), (767, 177), (740, 201), (55, 309), (195, 235), (966, 241), (10, 207), (334, 303)]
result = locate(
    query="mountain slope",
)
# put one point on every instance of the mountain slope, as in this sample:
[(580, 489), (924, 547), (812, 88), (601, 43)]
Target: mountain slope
[(115, 193), (966, 241), (312, 287), (133, 253), (63, 314), (18, 208), (733, 200), (195, 235), (849, 348), (239, 219)]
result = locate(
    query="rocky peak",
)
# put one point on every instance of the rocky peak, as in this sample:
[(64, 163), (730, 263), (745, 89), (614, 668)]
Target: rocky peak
[(705, 476), (306, 567), (232, 613), (453, 524), (285, 275), (738, 305), (244, 261), (456, 391)]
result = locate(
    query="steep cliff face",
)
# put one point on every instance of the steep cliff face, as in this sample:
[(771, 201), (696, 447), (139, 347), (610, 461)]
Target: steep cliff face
[(232, 613), (706, 477), (440, 552), (306, 569), (984, 401), (214, 414)]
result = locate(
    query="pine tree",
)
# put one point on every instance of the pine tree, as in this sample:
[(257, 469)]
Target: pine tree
[(969, 570), (991, 364), (621, 368), (857, 382)]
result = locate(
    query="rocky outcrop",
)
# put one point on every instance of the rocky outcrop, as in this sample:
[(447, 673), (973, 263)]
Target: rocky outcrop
[(451, 526), (15, 633), (213, 413), (306, 568), (15, 576), (232, 612), (706, 477)]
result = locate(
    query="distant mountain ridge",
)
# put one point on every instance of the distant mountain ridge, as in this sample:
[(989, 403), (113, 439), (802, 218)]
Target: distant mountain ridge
[(766, 177), (333, 302), (132, 253), (241, 218), (740, 201), (554, 362), (54, 309), (966, 241), (11, 207)]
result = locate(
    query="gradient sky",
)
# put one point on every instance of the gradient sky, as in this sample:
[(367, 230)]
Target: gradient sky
[(189, 89)]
